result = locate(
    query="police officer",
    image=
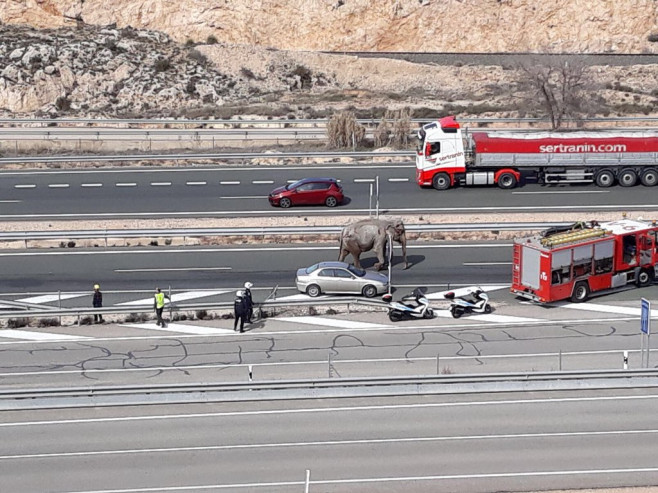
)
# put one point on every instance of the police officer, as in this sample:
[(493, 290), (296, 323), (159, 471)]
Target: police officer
[(249, 301), (158, 304), (97, 302), (240, 310)]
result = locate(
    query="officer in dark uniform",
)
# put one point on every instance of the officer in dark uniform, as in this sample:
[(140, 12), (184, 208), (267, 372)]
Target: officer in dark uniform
[(239, 310)]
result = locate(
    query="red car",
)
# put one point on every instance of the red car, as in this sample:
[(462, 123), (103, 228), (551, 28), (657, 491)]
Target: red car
[(309, 191)]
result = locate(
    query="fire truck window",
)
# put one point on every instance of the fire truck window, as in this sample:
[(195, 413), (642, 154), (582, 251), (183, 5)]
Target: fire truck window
[(629, 249), (603, 257)]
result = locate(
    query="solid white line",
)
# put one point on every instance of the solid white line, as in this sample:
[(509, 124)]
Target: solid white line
[(364, 180), (47, 298), (58, 185), (262, 182), (37, 336), (332, 322), (125, 184), (337, 409), (398, 179), (25, 186), (562, 191), (180, 328), (160, 183), (245, 197), (619, 310), (373, 441), (229, 182), (174, 269), (196, 183), (487, 263), (91, 185)]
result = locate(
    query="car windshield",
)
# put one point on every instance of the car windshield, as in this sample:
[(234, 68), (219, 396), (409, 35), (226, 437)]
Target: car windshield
[(290, 186), (356, 272), (312, 268)]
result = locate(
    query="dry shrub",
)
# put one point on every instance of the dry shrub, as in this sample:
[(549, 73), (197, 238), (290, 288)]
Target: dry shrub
[(343, 130)]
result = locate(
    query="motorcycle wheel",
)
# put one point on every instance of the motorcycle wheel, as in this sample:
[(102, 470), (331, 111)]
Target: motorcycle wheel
[(429, 313), (487, 309), (395, 316), (456, 313)]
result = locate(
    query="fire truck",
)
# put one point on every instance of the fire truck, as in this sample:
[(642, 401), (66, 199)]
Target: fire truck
[(574, 262), (446, 157)]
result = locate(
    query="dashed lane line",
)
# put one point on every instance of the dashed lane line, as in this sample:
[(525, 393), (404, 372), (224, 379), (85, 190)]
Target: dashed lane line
[(398, 179), (25, 186), (58, 185), (263, 182), (196, 183), (229, 182), (91, 185), (160, 183), (125, 184)]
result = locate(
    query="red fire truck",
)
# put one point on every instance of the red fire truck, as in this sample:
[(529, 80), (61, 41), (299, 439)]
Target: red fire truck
[(446, 157), (585, 258)]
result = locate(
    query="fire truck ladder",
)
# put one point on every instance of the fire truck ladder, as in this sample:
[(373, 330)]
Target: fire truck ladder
[(516, 272), (572, 236)]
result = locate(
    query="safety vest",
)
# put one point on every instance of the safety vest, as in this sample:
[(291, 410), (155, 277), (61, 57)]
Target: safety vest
[(159, 300)]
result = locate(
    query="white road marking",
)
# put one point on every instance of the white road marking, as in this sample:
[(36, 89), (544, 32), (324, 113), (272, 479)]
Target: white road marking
[(293, 180), (346, 409), (245, 197), (9, 201), (160, 183), (47, 298), (465, 291), (91, 185), (332, 322), (58, 185), (513, 436), (263, 182), (561, 191), (125, 184), (398, 179), (177, 297), (617, 310), (37, 336), (229, 182), (301, 296), (484, 317), (174, 269), (25, 186), (487, 263), (196, 183), (180, 328), (364, 180)]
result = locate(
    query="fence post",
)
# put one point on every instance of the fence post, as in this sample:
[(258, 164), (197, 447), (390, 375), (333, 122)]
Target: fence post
[(59, 304), (438, 372), (625, 360), (171, 307), (560, 361)]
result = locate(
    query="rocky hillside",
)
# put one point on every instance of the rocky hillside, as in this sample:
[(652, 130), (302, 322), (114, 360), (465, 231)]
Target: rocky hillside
[(359, 25)]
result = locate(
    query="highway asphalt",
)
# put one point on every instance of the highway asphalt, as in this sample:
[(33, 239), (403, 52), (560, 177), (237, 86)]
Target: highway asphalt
[(242, 191)]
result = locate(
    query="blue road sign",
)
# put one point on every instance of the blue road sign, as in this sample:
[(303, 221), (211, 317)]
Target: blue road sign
[(645, 319)]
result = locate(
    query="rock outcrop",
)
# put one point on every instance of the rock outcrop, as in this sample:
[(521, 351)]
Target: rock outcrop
[(580, 26)]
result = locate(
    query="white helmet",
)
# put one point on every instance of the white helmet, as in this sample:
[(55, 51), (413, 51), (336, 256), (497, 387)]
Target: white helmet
[(239, 294), (248, 285)]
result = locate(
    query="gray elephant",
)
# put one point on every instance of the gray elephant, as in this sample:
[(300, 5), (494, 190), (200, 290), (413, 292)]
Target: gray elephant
[(370, 234)]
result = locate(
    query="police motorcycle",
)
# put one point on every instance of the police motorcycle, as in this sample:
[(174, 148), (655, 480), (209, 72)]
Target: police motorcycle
[(414, 305), (474, 301)]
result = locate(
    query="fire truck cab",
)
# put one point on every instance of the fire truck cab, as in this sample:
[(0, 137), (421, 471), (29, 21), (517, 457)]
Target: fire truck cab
[(585, 258)]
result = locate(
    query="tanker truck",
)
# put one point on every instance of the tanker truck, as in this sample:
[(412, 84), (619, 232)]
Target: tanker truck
[(447, 157)]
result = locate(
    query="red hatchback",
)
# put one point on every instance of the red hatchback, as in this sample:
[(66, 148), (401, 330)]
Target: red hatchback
[(309, 191)]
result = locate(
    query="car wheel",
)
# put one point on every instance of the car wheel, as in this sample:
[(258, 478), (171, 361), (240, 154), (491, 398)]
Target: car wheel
[(331, 201), (369, 291), (580, 292), (441, 181), (644, 278), (506, 181), (285, 202), (395, 316), (649, 178), (313, 291), (604, 178)]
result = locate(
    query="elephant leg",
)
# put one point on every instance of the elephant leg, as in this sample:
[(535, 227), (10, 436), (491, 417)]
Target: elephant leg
[(343, 254), (381, 261), (357, 262)]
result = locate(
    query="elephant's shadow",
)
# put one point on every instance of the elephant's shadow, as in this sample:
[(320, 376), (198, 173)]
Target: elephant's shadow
[(369, 262)]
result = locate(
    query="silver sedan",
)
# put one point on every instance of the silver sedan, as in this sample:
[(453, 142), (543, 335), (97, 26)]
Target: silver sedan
[(340, 277)]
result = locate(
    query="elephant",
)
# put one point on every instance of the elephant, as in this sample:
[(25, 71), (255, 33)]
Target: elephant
[(369, 234)]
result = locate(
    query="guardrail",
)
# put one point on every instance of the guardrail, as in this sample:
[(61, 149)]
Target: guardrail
[(258, 231), (326, 388)]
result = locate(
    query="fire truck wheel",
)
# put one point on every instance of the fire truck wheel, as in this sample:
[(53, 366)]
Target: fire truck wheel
[(649, 178), (644, 278), (580, 292), (604, 178), (441, 181), (627, 178), (506, 180)]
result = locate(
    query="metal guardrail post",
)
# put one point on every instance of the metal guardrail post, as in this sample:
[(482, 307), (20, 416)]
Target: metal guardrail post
[(171, 307)]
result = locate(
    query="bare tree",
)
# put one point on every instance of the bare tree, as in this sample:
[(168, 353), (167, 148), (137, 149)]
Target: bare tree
[(382, 133), (401, 127), (343, 130), (559, 83)]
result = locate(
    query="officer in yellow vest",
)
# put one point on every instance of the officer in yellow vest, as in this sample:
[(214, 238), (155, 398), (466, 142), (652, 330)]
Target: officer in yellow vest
[(158, 304)]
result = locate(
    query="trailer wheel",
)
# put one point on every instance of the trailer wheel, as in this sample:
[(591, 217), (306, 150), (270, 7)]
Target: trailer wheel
[(604, 178), (644, 278), (507, 180), (441, 181), (580, 292), (627, 178), (649, 177)]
